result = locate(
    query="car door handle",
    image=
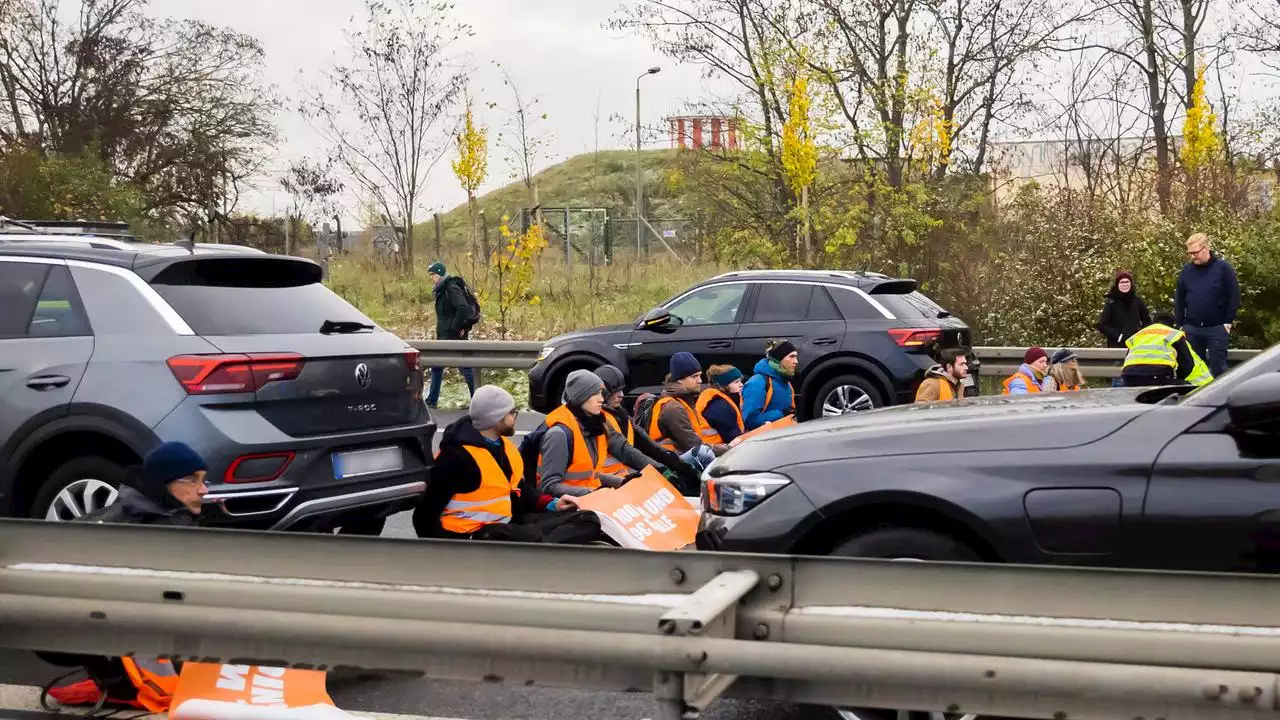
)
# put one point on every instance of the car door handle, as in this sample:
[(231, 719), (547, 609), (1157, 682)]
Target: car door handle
[(825, 341), (720, 345), (48, 382)]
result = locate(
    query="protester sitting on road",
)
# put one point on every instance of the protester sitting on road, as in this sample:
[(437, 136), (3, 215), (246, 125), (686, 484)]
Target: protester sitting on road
[(1123, 313), (578, 442), (720, 405), (168, 489), (768, 395), (454, 319), (1161, 355), (943, 381), (686, 477), (676, 425), (1064, 373), (475, 489), (1028, 378)]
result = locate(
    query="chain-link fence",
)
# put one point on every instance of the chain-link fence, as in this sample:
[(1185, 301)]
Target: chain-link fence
[(592, 235)]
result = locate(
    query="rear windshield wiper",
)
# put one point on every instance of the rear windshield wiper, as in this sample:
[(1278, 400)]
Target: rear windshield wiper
[(944, 314), (343, 327)]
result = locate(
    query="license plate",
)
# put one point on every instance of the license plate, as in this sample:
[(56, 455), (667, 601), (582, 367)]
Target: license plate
[(367, 462)]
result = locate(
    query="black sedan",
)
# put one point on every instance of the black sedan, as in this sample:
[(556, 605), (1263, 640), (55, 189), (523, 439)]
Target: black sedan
[(1158, 479)]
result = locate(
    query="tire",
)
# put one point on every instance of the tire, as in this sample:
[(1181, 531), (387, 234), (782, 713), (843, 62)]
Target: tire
[(89, 483), (906, 543), (901, 543), (555, 387), (860, 394)]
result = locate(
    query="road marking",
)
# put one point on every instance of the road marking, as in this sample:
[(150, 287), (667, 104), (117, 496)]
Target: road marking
[(26, 698)]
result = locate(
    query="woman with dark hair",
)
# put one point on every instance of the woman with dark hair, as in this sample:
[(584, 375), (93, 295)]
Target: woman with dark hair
[(1123, 313)]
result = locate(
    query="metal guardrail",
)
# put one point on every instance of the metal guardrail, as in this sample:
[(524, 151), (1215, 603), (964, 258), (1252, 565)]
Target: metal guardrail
[(1033, 642), (1094, 362)]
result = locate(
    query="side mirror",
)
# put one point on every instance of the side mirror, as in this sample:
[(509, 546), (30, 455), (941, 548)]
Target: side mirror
[(1255, 403), (656, 320)]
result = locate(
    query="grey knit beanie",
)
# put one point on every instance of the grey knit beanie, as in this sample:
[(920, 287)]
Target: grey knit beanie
[(489, 405), (580, 386)]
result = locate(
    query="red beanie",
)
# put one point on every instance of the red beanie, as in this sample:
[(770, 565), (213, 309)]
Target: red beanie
[(1034, 354)]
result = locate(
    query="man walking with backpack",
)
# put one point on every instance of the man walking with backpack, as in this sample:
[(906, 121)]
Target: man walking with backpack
[(456, 313)]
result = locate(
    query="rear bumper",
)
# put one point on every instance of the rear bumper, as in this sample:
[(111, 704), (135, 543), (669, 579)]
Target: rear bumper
[(296, 509)]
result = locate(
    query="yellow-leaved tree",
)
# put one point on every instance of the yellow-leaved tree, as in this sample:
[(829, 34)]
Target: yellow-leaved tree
[(1201, 145), (471, 166), (800, 153), (514, 261)]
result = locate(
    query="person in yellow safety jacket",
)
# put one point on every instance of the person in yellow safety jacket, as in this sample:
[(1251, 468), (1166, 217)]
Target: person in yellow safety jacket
[(1159, 354), (686, 478), (943, 381), (476, 489), (168, 489), (720, 405), (675, 422), (1027, 380), (578, 442), (1064, 373)]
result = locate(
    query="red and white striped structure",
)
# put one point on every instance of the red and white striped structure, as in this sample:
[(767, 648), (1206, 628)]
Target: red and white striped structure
[(703, 131)]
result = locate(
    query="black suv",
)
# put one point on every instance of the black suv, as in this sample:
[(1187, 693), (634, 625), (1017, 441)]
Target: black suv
[(309, 416), (865, 339)]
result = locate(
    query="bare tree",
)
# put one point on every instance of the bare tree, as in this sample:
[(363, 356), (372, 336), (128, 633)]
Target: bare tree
[(178, 109), (522, 135), (311, 186), (390, 123)]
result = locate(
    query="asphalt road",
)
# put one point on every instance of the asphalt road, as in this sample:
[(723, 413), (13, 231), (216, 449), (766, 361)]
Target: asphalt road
[(471, 701)]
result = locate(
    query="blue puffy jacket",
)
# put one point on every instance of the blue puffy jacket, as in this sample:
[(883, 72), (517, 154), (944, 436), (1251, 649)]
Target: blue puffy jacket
[(754, 412)]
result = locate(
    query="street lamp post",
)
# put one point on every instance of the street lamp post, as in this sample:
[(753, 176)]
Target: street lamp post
[(640, 166)]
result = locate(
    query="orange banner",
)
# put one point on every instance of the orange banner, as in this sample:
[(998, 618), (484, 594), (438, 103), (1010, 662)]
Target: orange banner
[(647, 513), (213, 692), (778, 424)]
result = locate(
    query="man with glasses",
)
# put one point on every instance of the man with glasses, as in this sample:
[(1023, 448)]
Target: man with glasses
[(476, 493), (1206, 302)]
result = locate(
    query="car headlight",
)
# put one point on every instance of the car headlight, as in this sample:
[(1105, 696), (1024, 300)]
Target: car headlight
[(736, 494), (545, 352)]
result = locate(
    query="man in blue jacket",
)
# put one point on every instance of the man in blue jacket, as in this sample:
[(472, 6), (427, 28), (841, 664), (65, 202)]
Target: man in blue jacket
[(1206, 302), (768, 395)]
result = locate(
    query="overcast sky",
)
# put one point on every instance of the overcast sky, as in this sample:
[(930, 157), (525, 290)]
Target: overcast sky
[(557, 50)]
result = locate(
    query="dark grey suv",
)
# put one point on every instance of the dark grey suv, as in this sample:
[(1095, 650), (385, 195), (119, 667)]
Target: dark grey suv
[(310, 417)]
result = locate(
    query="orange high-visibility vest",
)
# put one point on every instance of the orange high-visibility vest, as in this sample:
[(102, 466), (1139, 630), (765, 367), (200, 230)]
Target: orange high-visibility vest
[(710, 435), (612, 465), (581, 471), (768, 393), (155, 680), (491, 502), (1033, 387), (699, 426), (945, 390)]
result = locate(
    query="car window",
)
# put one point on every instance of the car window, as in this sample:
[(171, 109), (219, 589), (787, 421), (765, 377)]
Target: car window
[(854, 306), (714, 305), (250, 296), (20, 285), (781, 302), (821, 307), (911, 306), (59, 311)]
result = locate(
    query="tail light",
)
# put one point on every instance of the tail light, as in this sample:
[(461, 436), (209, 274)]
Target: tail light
[(915, 337), (217, 374), (413, 359), (263, 467)]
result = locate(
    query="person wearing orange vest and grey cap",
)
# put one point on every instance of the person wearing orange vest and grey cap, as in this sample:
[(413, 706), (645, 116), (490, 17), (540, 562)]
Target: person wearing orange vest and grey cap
[(686, 478), (942, 381), (168, 489), (475, 491), (578, 442), (1028, 378)]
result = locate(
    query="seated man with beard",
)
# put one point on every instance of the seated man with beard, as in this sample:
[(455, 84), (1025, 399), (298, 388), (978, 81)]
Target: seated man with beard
[(475, 488)]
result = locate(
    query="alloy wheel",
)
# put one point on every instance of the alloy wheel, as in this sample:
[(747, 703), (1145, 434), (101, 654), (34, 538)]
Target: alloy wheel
[(845, 400), (81, 498)]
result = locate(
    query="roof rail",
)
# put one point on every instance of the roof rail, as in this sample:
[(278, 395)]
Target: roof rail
[(96, 228)]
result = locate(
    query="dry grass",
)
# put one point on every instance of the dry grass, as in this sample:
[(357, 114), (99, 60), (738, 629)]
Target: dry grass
[(567, 299)]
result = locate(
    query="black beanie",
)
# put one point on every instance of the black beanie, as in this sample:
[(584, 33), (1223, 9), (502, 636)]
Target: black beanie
[(781, 350)]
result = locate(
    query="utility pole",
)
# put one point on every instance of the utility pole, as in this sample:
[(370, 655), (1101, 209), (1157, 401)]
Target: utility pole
[(640, 167)]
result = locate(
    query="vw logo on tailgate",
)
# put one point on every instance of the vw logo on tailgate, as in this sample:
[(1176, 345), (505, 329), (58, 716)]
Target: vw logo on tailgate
[(362, 375)]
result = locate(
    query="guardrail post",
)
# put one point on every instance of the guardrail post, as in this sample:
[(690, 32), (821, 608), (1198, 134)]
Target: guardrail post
[(711, 611)]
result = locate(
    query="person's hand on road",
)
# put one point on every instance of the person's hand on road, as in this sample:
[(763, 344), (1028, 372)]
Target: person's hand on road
[(566, 503)]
